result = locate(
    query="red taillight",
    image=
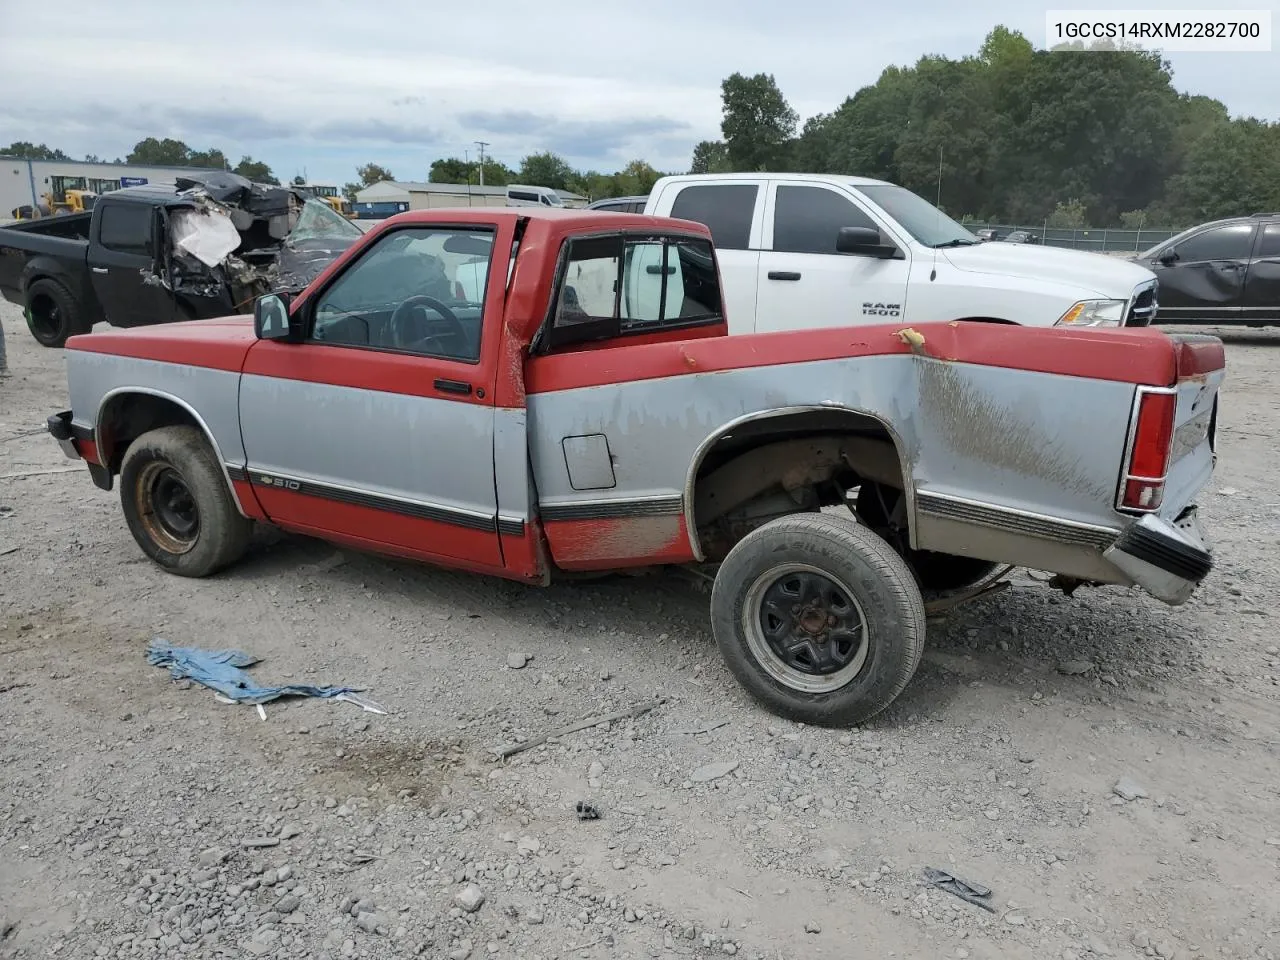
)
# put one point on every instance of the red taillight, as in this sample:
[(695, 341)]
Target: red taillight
[(1144, 475)]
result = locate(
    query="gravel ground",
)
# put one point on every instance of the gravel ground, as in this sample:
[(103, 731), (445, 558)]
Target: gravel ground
[(1106, 764)]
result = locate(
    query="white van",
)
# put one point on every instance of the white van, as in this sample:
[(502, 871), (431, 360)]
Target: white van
[(522, 196)]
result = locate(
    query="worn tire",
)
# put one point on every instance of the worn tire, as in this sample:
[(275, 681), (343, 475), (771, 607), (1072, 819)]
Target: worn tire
[(170, 476), (52, 313), (867, 571)]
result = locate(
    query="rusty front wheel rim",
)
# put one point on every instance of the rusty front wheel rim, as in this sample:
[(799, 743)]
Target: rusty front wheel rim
[(167, 508)]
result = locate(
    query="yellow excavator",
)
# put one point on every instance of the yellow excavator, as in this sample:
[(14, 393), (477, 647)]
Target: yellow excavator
[(330, 195)]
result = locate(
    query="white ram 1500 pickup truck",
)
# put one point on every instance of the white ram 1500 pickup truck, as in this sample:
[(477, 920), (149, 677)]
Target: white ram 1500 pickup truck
[(818, 250)]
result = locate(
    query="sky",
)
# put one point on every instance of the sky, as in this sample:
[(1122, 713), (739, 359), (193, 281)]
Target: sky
[(320, 87)]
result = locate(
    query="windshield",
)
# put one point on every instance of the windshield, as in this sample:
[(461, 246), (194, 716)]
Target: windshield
[(553, 199), (1168, 244), (918, 216), (319, 220)]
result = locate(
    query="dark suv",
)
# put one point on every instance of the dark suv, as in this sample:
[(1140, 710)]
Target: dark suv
[(620, 204), (1225, 271)]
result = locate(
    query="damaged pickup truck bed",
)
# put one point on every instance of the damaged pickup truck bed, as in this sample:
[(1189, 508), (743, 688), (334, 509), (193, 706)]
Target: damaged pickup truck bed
[(205, 247), (531, 393)]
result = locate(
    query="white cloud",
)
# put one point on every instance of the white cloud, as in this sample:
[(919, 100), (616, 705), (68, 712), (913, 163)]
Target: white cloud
[(329, 84)]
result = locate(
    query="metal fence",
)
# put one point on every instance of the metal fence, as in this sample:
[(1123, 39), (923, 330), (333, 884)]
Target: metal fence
[(1102, 240)]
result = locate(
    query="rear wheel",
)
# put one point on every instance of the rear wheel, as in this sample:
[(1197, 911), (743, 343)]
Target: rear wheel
[(818, 619), (177, 504), (878, 508), (52, 313)]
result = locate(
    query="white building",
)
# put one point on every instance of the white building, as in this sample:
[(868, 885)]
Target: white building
[(389, 197), (25, 182)]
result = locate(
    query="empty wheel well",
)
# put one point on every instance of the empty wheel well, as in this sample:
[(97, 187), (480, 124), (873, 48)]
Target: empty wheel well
[(128, 416), (790, 462)]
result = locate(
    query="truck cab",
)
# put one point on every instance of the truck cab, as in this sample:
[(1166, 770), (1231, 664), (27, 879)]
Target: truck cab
[(818, 250)]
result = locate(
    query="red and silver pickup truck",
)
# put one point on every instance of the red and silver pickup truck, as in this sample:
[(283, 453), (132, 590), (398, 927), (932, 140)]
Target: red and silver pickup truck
[(529, 392)]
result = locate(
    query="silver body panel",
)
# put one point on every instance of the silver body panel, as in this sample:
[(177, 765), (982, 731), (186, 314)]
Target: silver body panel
[(1021, 443), (95, 379), (417, 450)]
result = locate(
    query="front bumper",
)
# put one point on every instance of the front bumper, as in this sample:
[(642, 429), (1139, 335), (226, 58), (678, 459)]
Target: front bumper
[(1167, 559), (79, 443), (63, 430)]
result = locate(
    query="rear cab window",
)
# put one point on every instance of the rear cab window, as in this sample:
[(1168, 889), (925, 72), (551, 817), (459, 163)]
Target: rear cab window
[(126, 227), (619, 285), (728, 209)]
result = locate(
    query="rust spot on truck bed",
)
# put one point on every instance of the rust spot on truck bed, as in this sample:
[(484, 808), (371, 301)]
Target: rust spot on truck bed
[(624, 541)]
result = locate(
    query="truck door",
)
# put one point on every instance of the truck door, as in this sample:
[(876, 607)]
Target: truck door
[(734, 213), (122, 249), (1261, 302), (377, 429), (804, 282)]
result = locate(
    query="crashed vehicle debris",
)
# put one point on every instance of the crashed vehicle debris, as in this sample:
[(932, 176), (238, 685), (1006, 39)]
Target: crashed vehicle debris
[(206, 246), (536, 394)]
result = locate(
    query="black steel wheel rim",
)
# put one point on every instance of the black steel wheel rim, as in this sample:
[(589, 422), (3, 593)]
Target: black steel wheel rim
[(45, 316), (805, 628), (167, 507)]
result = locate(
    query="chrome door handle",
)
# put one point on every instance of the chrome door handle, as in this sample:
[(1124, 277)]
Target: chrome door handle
[(101, 270)]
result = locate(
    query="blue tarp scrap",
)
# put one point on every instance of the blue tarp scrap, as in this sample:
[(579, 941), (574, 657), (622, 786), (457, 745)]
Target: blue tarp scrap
[(221, 670)]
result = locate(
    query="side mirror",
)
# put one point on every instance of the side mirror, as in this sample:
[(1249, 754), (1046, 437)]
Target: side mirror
[(1169, 257), (271, 319), (864, 242)]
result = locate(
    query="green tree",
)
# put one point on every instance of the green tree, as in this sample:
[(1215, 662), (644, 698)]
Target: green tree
[(757, 122), (1098, 127), (454, 170), (372, 173), (1233, 173), (1134, 219), (1069, 215), (369, 174), (213, 159), (255, 170), (160, 153), (710, 156), (545, 170), (25, 150), (636, 179), (299, 180)]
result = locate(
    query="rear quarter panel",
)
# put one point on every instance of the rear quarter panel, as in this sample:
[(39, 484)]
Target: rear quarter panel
[(1012, 440)]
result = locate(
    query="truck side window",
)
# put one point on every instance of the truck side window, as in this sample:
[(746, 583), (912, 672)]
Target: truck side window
[(807, 219), (419, 290), (1221, 243), (611, 286), (1269, 243), (126, 227), (726, 208)]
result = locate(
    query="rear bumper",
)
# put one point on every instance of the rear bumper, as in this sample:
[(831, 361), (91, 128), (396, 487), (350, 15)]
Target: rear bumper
[(1167, 559)]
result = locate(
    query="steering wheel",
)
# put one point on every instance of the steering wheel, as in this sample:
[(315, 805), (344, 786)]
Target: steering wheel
[(402, 335)]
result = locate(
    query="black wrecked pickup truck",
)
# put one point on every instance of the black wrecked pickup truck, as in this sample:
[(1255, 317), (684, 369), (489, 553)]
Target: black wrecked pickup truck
[(202, 247)]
